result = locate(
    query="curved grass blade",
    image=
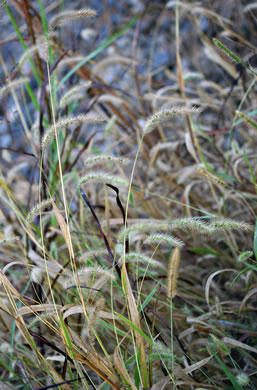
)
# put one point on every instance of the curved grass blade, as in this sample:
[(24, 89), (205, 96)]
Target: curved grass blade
[(122, 212)]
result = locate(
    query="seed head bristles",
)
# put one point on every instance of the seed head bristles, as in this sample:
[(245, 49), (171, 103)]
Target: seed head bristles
[(210, 176), (92, 253), (143, 227), (66, 122), (9, 240), (68, 60), (68, 15), (37, 275), (164, 238), (243, 379), (192, 224), (73, 93), (141, 258), (29, 52), (5, 347), (220, 344), (161, 116), (104, 177), (230, 224), (173, 273), (13, 84), (86, 273), (91, 323), (160, 351), (37, 208), (102, 158)]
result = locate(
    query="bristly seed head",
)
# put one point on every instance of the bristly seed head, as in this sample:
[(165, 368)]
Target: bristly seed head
[(230, 224), (13, 84), (67, 121), (161, 116), (37, 275), (37, 208), (72, 93), (104, 177), (94, 160), (242, 379), (92, 253), (68, 15), (141, 258), (164, 238)]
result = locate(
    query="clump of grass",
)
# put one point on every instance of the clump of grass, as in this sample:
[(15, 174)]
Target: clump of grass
[(97, 286)]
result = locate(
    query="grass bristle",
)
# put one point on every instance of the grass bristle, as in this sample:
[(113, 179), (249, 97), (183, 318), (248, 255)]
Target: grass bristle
[(63, 123), (94, 160), (136, 257), (7, 88), (164, 115), (68, 15), (165, 239), (103, 177), (37, 208)]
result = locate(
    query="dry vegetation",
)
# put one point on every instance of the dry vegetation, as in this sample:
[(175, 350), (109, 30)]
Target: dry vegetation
[(128, 197)]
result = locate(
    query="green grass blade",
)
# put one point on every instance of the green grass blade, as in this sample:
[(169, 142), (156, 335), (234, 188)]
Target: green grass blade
[(250, 167), (232, 55), (255, 241), (228, 373), (133, 326), (148, 298)]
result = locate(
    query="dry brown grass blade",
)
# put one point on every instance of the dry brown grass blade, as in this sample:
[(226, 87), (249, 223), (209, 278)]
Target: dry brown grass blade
[(4, 280), (135, 318), (95, 368), (27, 337), (238, 344), (209, 281), (162, 385), (64, 229), (122, 369), (125, 124), (79, 309), (37, 308), (94, 361), (248, 295), (197, 365)]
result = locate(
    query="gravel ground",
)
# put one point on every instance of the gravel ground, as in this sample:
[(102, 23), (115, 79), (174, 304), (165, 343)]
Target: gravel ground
[(151, 44)]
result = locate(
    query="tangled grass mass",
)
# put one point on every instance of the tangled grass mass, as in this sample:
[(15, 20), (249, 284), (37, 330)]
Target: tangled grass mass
[(128, 195)]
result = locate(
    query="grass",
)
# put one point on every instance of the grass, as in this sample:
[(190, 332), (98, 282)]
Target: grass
[(128, 239)]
